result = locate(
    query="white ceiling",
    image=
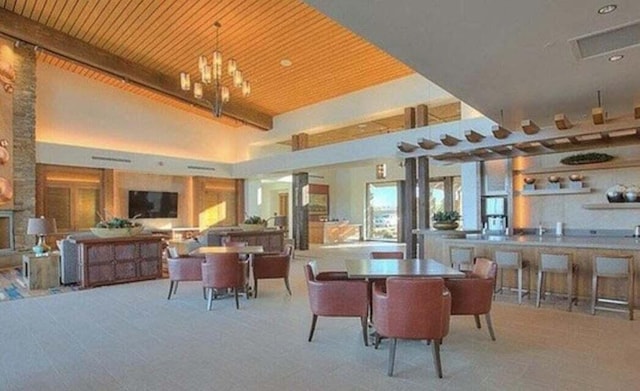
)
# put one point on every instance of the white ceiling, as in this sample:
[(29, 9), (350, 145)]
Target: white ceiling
[(504, 54)]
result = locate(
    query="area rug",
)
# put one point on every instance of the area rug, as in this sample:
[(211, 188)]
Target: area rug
[(14, 287)]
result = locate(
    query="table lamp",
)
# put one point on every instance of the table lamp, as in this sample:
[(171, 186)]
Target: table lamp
[(41, 227), (280, 221)]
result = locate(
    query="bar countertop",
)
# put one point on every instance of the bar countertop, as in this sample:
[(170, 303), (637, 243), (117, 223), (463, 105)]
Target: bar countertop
[(609, 243)]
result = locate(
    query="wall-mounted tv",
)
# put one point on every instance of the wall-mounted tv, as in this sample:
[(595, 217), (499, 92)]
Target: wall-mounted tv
[(153, 204)]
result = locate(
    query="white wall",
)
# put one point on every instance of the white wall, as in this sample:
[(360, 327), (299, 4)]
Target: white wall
[(74, 110)]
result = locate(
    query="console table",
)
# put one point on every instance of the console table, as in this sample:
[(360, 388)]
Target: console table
[(104, 261)]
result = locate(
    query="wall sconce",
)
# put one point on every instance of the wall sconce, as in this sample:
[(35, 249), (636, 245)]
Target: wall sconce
[(381, 171)]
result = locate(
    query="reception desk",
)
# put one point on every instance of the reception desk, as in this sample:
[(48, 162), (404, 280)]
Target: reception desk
[(326, 232), (272, 240)]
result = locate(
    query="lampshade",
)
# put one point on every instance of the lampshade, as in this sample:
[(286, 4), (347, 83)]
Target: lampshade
[(41, 226), (280, 221)]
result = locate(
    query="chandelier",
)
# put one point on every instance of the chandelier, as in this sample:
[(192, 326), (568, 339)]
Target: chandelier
[(210, 88)]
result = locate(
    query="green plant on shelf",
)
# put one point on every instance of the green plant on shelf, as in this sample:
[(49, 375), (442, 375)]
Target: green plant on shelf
[(117, 222), (449, 216), (254, 220)]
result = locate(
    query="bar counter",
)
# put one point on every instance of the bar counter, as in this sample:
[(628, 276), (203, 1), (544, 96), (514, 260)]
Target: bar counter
[(582, 249)]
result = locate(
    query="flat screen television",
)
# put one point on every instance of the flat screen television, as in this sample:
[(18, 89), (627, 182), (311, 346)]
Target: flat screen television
[(153, 204)]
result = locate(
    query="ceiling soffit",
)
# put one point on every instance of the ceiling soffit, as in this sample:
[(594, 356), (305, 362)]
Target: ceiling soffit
[(164, 38)]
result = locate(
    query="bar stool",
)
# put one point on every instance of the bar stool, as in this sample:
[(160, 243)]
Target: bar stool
[(612, 267), (512, 260), (556, 263), (461, 258)]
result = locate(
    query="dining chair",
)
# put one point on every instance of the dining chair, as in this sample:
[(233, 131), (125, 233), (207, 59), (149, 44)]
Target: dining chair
[(223, 271), (412, 308), (271, 266), (473, 295), (182, 268), (333, 294)]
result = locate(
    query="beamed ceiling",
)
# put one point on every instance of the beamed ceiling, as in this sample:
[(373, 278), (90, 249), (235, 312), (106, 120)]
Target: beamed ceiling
[(143, 46)]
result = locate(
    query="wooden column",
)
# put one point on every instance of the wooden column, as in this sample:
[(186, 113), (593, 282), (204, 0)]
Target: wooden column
[(409, 207), (409, 117), (300, 228), (422, 116), (423, 201)]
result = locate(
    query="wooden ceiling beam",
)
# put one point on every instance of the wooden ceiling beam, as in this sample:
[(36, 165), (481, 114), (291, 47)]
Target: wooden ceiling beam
[(406, 147), (529, 127), (472, 136), (59, 44), (449, 140), (425, 143), (499, 132)]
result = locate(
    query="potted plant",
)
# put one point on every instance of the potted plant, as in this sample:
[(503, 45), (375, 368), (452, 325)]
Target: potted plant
[(116, 227), (254, 223), (444, 220)]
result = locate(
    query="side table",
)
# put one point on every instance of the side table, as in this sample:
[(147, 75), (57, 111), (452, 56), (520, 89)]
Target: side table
[(41, 271)]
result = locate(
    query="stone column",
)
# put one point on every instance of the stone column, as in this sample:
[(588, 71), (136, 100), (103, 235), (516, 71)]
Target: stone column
[(24, 144)]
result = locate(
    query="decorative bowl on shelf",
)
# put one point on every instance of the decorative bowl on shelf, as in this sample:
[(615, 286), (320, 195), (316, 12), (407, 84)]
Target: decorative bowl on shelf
[(575, 177), (616, 193), (632, 194), (445, 225), (529, 180), (116, 232)]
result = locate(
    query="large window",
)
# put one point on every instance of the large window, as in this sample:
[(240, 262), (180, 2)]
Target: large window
[(382, 211)]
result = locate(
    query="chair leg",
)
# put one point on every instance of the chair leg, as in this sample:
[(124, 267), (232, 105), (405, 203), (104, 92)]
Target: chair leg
[(630, 293), (235, 293), (570, 289), (204, 293), (539, 288), (286, 284), (477, 319), (377, 340), (314, 319), (487, 317), (594, 293), (392, 356), (365, 337), (435, 349), (175, 288), (519, 285), (255, 287), (210, 301), (170, 290)]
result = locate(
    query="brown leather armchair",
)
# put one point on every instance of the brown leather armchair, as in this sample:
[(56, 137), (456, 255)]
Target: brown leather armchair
[(473, 295), (271, 266), (183, 268), (332, 294), (412, 308), (224, 271)]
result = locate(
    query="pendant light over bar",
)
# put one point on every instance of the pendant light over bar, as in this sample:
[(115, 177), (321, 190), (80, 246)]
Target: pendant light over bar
[(210, 87)]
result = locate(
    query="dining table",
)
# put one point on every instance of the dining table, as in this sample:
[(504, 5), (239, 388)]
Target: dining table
[(228, 250), (384, 268)]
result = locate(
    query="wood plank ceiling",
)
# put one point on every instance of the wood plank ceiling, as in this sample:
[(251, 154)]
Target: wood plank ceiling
[(168, 36)]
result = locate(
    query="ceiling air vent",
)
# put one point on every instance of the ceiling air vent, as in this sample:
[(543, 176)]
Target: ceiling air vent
[(608, 41), (201, 168), (111, 159)]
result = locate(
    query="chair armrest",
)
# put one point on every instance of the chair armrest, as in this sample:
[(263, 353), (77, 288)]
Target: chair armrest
[(339, 297), (470, 296)]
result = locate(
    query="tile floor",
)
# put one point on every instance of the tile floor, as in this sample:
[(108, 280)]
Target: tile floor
[(129, 337)]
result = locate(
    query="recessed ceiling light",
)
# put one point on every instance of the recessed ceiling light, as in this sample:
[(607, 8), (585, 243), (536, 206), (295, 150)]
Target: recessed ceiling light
[(616, 57), (285, 62), (607, 9)]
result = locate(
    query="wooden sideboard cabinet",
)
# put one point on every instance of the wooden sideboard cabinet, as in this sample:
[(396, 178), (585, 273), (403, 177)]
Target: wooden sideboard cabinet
[(117, 260)]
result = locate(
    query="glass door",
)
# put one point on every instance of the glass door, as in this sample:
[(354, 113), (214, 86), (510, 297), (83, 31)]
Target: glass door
[(382, 211)]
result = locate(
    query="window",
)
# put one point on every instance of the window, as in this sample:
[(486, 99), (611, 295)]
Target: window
[(382, 211), (445, 193)]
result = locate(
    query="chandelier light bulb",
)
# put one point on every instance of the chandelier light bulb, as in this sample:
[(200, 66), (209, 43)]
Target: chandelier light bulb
[(206, 74), (224, 94), (237, 78), (197, 90), (232, 67), (246, 88), (202, 62), (217, 71), (217, 58), (185, 81)]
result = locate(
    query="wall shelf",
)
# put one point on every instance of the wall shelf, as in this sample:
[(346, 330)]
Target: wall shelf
[(613, 205), (556, 191), (582, 167)]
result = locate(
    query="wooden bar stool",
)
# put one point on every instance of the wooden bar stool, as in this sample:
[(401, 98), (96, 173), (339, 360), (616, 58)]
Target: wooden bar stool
[(612, 267), (512, 260), (556, 263), (461, 258)]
